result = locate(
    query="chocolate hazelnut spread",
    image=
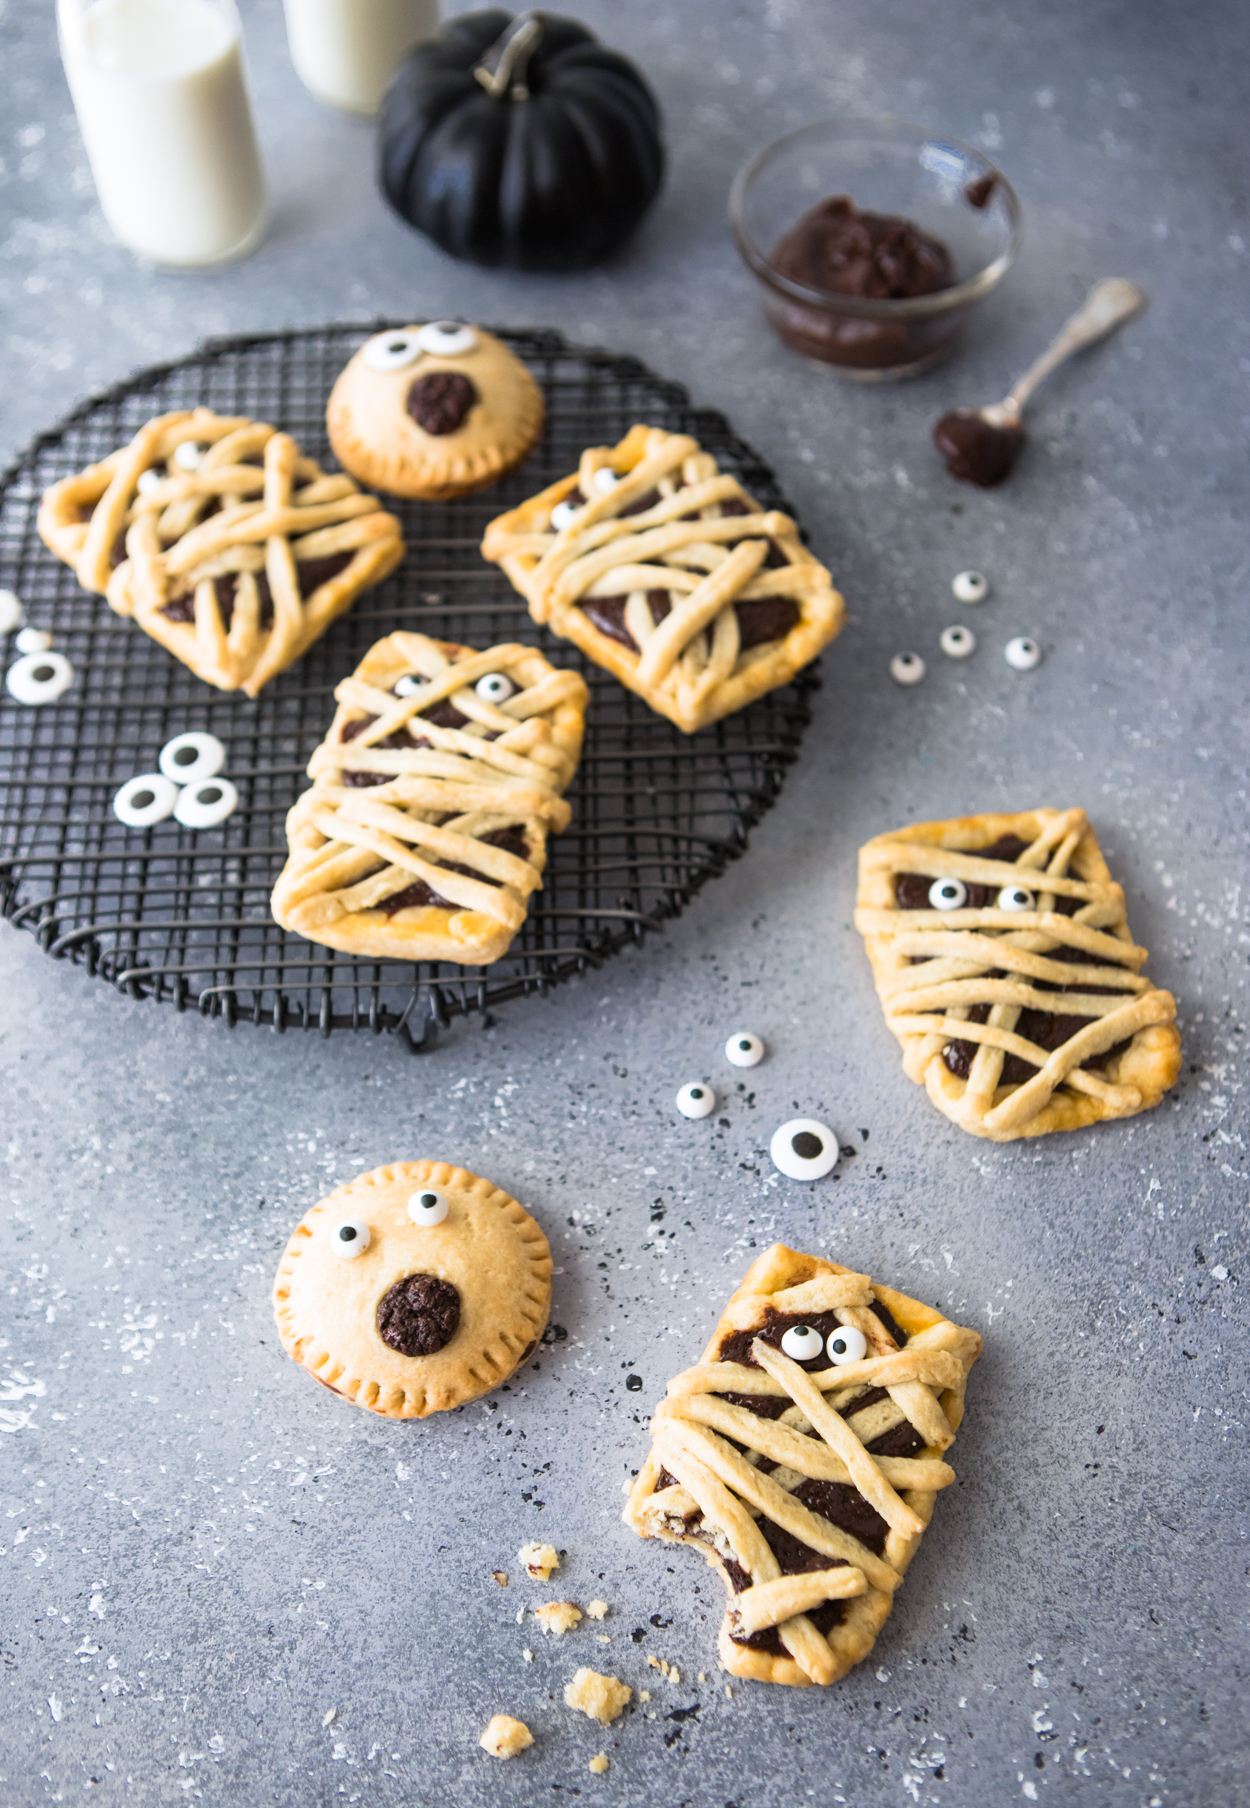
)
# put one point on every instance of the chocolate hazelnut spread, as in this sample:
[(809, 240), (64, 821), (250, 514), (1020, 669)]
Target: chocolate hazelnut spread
[(975, 451), (512, 840), (310, 574), (418, 1315), (439, 401), (759, 620)]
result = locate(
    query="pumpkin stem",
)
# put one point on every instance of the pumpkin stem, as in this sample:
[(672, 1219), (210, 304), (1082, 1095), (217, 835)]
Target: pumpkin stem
[(502, 69)]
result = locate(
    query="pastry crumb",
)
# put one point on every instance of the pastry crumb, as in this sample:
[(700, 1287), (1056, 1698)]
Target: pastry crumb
[(528, 1655), (644, 1694), (729, 1691), (500, 1576), (605, 1638), (557, 1616), (702, 1675), (601, 1698), (669, 1671), (328, 1717), (505, 1737), (599, 1763), (539, 1560), (598, 1610), (520, 1615)]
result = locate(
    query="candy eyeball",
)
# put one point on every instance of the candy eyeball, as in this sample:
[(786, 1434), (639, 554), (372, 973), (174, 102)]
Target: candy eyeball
[(803, 1342), (149, 481), (392, 351), (1016, 897), (846, 1345), (39, 678), (744, 1050), (33, 640), (205, 805), (409, 685), (563, 515), (446, 339), (907, 668), (147, 798), (804, 1149), (350, 1238), (948, 894), (604, 479), (696, 1100), (957, 642), (1023, 653), (970, 587), (11, 611), (191, 758), (427, 1207), (495, 688), (188, 456)]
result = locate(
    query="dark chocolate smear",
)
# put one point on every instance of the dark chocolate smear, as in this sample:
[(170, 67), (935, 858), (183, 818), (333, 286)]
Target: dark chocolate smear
[(974, 451)]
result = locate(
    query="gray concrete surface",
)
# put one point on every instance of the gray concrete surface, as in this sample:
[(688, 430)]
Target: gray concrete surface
[(204, 1556)]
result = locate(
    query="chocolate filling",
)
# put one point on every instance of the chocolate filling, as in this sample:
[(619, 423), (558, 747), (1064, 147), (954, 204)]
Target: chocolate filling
[(418, 1315), (512, 840), (763, 619), (975, 451), (443, 714), (439, 401), (876, 256), (310, 574)]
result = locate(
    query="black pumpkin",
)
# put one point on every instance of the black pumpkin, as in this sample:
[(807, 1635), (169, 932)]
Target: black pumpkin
[(520, 141)]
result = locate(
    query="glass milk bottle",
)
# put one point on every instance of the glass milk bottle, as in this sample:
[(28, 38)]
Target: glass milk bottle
[(159, 92), (346, 51)]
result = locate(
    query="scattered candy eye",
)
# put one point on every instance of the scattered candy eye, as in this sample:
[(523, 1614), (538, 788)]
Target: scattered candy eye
[(409, 685), (494, 688), (39, 678), (149, 481), (970, 587), (696, 1100), (804, 1149), (907, 668), (11, 611), (948, 894), (744, 1049), (191, 758), (604, 479), (446, 338), (146, 799), (205, 805), (350, 1238), (803, 1343), (957, 642), (1015, 897), (427, 1207), (188, 456), (847, 1345), (1023, 653), (33, 640), (392, 351), (563, 515)]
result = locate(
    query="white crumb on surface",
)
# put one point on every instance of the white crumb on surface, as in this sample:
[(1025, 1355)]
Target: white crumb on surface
[(558, 1616), (538, 1560), (598, 1610)]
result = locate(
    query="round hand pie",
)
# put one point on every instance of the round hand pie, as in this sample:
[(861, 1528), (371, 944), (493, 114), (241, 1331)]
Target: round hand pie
[(434, 411), (413, 1289)]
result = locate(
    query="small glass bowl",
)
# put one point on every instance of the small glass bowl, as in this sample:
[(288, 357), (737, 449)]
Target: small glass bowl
[(942, 186)]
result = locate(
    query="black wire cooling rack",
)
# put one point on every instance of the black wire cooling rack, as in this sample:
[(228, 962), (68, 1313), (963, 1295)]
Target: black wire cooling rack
[(173, 914)]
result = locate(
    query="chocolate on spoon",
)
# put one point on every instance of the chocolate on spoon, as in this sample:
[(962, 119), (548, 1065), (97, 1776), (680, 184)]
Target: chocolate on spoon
[(981, 445)]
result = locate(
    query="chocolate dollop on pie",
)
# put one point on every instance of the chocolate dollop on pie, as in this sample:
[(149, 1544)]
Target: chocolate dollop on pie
[(419, 1315)]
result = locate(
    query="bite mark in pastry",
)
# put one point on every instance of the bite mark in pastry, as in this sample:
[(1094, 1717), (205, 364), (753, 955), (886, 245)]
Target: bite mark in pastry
[(972, 927), (406, 1316), (425, 830), (807, 1480), (663, 570), (222, 541)]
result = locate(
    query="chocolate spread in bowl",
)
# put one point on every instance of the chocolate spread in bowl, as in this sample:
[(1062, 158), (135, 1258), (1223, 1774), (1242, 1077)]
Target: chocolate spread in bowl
[(975, 451)]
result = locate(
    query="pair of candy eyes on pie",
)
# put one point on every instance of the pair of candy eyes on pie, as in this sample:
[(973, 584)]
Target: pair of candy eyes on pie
[(952, 894), (352, 1236), (491, 687), (805, 1344), (440, 339)]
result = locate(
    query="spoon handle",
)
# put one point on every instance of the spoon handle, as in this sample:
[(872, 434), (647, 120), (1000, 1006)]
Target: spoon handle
[(1108, 305)]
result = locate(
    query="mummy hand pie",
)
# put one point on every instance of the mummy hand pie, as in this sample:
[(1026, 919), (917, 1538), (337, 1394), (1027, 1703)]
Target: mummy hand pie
[(662, 569), (413, 1289), (222, 541), (425, 830), (802, 1456), (1003, 959), (434, 411)]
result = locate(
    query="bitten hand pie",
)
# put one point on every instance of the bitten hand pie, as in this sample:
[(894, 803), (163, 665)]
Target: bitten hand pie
[(802, 1457), (1004, 962), (433, 794), (222, 541), (662, 569), (413, 1289)]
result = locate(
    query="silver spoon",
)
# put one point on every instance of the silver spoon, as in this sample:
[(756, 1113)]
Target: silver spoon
[(980, 445)]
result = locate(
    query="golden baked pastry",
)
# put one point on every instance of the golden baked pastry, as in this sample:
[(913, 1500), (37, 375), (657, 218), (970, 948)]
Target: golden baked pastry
[(662, 569), (222, 541), (434, 411), (433, 794), (973, 927), (802, 1457), (413, 1289)]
